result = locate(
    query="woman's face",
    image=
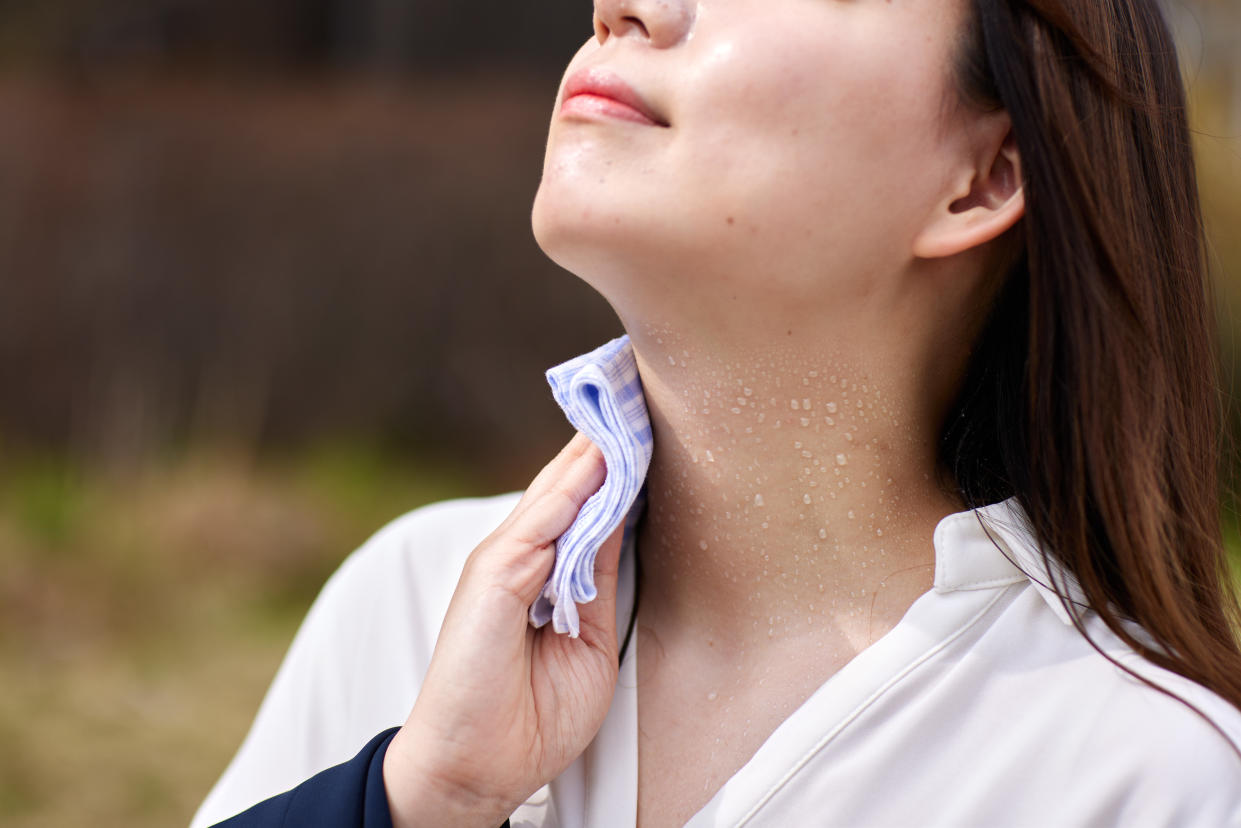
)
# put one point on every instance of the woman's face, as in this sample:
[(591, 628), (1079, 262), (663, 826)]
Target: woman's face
[(780, 150)]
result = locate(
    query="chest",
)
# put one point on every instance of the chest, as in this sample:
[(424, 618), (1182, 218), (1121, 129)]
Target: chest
[(685, 756), (698, 727), (949, 720)]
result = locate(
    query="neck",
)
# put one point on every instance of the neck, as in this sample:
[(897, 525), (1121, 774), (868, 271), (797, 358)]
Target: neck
[(792, 490)]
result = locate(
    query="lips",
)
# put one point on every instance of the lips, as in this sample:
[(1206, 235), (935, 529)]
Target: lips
[(595, 93)]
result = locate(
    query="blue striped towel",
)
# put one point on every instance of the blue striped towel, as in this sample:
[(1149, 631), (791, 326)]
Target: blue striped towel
[(601, 395)]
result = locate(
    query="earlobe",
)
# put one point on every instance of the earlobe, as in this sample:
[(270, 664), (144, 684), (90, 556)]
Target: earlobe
[(987, 204)]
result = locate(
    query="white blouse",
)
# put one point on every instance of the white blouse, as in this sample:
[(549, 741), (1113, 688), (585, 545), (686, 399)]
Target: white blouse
[(982, 707)]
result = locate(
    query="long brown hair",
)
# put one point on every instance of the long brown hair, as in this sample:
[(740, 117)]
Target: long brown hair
[(1092, 394)]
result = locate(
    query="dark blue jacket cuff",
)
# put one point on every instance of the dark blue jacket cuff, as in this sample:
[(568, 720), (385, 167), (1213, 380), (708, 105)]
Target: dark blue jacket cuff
[(350, 795)]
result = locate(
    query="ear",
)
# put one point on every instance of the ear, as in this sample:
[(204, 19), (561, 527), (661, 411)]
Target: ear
[(986, 197)]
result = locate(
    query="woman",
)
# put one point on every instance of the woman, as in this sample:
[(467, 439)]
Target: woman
[(931, 535)]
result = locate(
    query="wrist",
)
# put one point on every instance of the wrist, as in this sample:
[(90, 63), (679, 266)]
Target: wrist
[(421, 795)]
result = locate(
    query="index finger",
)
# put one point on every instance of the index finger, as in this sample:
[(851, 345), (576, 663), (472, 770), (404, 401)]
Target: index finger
[(579, 445)]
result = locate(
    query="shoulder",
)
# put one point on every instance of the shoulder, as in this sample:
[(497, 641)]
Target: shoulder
[(471, 519), (1148, 743), (1092, 677), (1195, 733), (392, 593), (1180, 742), (424, 548), (466, 521), (1177, 740)]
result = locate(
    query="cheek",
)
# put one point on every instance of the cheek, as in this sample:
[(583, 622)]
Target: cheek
[(801, 127)]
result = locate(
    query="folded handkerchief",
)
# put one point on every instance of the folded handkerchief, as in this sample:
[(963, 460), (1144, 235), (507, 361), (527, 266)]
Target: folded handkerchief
[(601, 395)]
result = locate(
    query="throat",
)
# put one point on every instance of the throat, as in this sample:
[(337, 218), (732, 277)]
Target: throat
[(782, 505)]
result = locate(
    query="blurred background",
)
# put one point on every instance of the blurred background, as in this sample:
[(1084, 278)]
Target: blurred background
[(267, 283)]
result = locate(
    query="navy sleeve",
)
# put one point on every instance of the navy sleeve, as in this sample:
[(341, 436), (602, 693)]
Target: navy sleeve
[(350, 795)]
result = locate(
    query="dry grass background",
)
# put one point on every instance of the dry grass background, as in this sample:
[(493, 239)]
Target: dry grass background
[(142, 617)]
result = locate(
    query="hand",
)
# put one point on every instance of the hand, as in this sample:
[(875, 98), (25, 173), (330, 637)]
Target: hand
[(506, 708)]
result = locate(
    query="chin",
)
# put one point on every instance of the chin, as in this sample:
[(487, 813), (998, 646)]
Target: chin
[(601, 245), (552, 229), (584, 229), (573, 247)]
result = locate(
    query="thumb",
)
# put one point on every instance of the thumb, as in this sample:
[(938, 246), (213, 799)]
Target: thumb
[(598, 618)]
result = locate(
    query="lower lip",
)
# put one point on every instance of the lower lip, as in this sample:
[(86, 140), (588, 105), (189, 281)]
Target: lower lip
[(597, 106)]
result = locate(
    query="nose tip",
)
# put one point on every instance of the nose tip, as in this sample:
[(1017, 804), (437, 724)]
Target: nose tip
[(662, 23)]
